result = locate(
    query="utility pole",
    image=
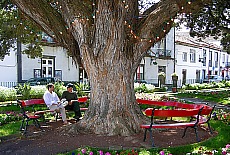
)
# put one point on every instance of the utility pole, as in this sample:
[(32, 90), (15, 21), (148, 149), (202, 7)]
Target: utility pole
[(174, 53), (19, 62)]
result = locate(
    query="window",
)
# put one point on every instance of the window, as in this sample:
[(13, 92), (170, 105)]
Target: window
[(210, 59), (204, 57), (58, 74), (47, 67), (37, 73), (216, 59), (161, 69), (140, 72), (184, 57), (223, 58), (192, 56)]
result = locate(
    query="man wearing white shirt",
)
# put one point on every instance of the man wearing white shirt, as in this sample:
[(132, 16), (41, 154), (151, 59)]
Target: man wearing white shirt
[(53, 103)]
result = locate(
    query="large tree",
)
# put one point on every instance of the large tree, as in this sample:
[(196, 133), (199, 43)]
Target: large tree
[(109, 38)]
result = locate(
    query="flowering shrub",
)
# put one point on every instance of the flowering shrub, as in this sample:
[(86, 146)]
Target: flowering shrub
[(222, 115), (198, 86), (147, 96), (9, 117), (146, 88), (205, 151), (37, 91), (89, 151), (226, 150), (7, 94)]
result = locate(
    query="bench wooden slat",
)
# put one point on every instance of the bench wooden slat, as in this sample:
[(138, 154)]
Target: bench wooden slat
[(172, 125)]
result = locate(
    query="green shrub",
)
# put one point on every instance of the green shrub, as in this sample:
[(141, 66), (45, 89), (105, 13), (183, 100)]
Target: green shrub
[(80, 88), (24, 90), (7, 94), (37, 91), (145, 88), (59, 88)]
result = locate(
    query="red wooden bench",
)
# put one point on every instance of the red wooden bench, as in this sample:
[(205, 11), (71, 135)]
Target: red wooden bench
[(34, 115), (196, 111), (27, 116)]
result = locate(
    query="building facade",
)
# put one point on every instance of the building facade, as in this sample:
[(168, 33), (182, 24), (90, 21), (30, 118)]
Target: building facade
[(190, 58), (54, 62)]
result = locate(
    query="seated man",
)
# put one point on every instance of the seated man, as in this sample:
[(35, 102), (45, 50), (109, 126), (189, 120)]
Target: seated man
[(71, 97), (53, 103)]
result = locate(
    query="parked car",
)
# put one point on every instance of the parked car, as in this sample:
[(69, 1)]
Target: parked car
[(212, 78), (140, 81), (42, 81)]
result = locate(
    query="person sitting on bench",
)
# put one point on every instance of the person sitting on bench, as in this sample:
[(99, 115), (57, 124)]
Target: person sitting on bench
[(71, 97), (53, 103)]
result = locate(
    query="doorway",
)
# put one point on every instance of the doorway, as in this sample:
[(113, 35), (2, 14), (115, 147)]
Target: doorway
[(184, 74), (47, 67)]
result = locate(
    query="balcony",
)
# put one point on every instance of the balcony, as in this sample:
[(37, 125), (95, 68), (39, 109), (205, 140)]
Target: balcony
[(161, 53)]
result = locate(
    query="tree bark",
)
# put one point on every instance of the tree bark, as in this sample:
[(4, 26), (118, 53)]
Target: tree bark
[(113, 110)]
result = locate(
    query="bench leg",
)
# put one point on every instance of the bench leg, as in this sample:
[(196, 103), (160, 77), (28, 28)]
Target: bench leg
[(151, 137), (27, 124), (196, 132), (184, 131), (145, 135), (22, 124), (209, 127), (37, 124)]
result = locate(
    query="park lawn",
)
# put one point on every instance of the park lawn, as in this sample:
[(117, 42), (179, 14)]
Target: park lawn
[(222, 97), (10, 129)]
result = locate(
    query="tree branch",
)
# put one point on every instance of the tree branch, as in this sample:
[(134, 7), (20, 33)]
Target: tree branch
[(159, 22), (50, 21)]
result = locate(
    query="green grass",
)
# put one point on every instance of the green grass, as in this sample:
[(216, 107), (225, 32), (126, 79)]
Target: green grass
[(215, 143), (222, 97), (9, 107), (10, 129)]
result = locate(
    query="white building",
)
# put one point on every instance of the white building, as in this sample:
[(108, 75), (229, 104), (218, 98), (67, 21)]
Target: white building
[(192, 60), (55, 62)]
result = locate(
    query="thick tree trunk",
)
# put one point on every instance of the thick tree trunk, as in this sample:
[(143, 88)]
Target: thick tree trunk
[(112, 110)]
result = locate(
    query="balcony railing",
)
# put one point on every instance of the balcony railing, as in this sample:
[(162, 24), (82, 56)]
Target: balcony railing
[(161, 53), (227, 64)]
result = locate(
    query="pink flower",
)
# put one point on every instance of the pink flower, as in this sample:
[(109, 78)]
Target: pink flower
[(83, 151), (90, 153), (162, 153), (100, 152), (227, 146)]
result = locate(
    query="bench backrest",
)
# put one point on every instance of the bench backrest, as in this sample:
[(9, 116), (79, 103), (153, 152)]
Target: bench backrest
[(34, 102), (206, 109), (172, 113), (82, 99)]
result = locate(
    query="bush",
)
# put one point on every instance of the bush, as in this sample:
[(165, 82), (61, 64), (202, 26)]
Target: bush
[(24, 90), (146, 88), (7, 94), (37, 91)]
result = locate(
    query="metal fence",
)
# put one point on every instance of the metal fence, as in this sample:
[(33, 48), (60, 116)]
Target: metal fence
[(180, 82), (8, 84), (152, 81)]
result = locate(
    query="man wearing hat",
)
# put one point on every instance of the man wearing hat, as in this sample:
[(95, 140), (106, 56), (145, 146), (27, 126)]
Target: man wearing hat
[(71, 97)]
